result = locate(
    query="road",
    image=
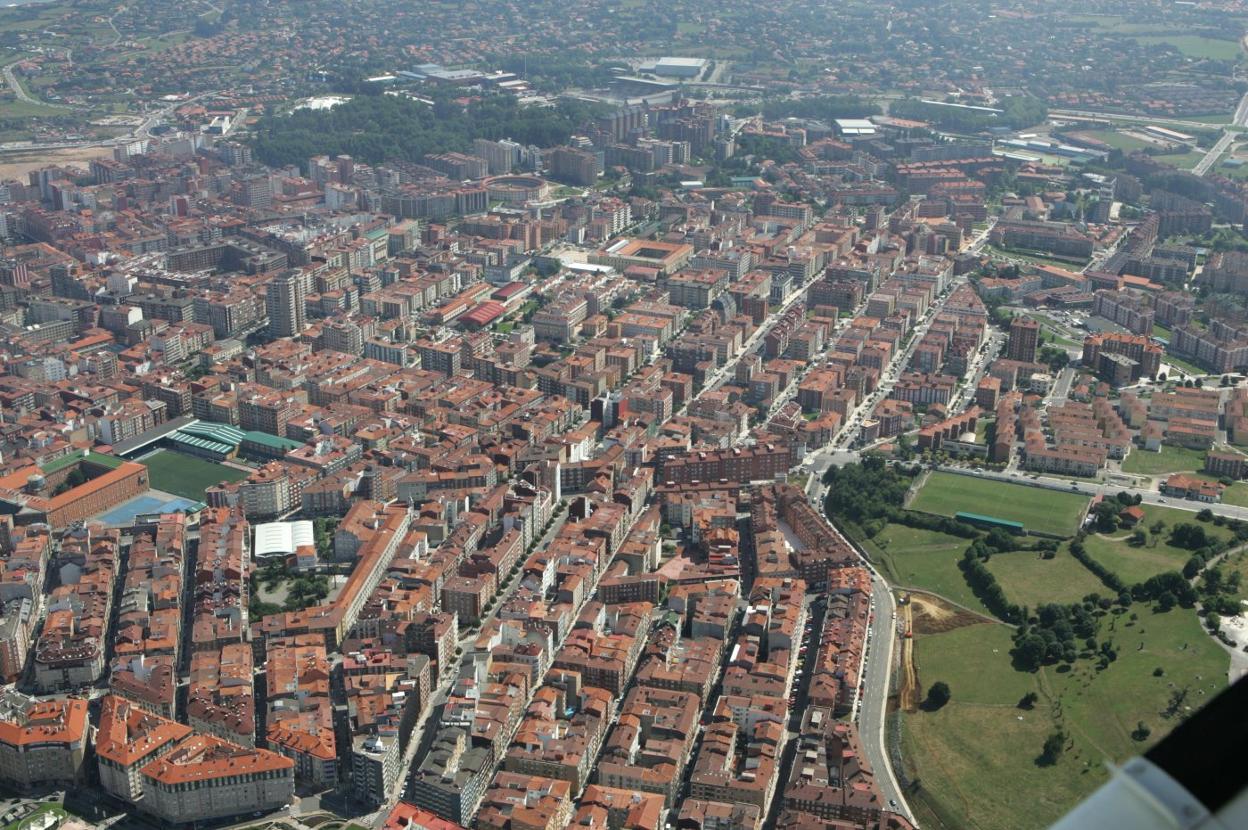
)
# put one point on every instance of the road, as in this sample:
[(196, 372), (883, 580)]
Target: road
[(871, 704), (1239, 119), (10, 78), (427, 727), (1133, 119)]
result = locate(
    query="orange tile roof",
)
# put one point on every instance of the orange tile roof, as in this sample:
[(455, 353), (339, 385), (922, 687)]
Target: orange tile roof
[(128, 734), (60, 721), (204, 757)]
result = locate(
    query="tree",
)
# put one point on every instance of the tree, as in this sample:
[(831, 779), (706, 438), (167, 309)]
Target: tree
[(1106, 515), (1028, 701), (1141, 732), (1029, 652), (1138, 538), (1205, 515), (1054, 746), (937, 696)]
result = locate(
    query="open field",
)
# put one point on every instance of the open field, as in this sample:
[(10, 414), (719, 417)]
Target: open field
[(185, 475), (1236, 494), (1040, 510), (1134, 564), (1167, 460), (925, 559), (1029, 580), (1195, 46), (975, 757), (1183, 161)]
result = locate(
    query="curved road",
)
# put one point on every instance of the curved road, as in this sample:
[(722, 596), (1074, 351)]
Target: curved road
[(10, 78)]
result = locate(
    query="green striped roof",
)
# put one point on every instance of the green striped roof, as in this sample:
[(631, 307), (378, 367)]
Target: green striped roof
[(221, 433), (217, 447)]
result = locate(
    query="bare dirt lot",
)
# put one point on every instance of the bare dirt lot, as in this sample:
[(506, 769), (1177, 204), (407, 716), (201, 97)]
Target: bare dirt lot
[(16, 164)]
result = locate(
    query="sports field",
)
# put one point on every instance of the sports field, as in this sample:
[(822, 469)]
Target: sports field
[(185, 475), (1039, 510)]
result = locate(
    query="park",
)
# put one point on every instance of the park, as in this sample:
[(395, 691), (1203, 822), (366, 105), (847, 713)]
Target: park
[(1051, 722)]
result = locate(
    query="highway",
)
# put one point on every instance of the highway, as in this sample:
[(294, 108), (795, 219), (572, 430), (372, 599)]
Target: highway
[(1239, 119)]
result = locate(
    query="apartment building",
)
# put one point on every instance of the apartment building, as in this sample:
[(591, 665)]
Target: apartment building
[(128, 739), (205, 778)]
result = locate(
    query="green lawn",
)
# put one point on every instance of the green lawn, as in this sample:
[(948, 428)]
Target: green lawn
[(1216, 118), (1167, 460), (925, 559), (185, 475), (1236, 494), (1029, 580), (1195, 46), (976, 756), (1134, 564), (1040, 510), (1183, 161), (1185, 365)]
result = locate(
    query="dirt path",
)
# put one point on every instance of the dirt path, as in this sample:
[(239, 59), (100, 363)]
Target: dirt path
[(908, 696), (915, 488)]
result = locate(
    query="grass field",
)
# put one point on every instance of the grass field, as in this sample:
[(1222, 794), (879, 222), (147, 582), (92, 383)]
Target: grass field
[(1236, 494), (1195, 46), (1168, 460), (1216, 118), (1040, 510), (1134, 564), (925, 559), (975, 757), (185, 475), (1185, 365), (1183, 161), (1029, 580), (1117, 140)]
